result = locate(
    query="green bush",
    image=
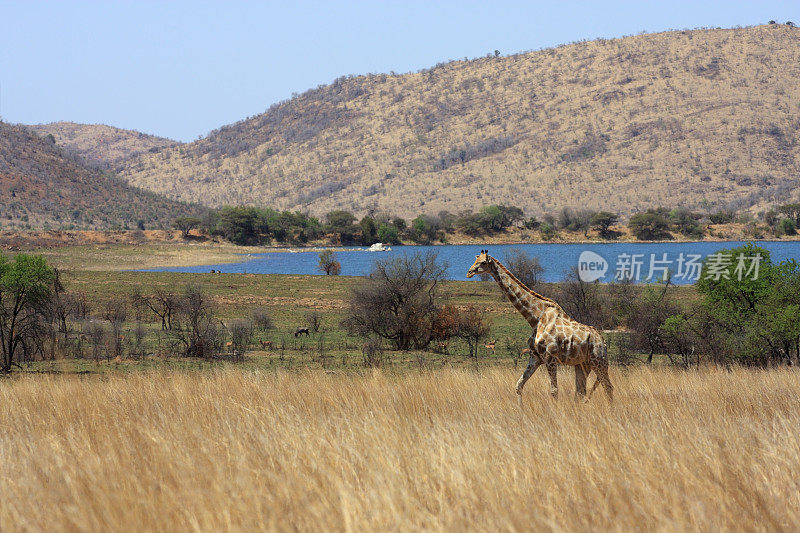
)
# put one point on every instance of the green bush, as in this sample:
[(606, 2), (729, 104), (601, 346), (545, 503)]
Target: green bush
[(388, 234), (26, 288), (424, 229), (532, 223), (787, 227), (342, 225), (249, 226), (686, 222), (369, 231), (650, 226), (548, 232), (756, 317), (721, 217), (602, 222)]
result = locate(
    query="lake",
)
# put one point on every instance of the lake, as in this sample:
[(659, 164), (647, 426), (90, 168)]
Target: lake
[(627, 258)]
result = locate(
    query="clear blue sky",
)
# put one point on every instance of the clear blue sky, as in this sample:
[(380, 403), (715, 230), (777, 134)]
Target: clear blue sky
[(180, 69)]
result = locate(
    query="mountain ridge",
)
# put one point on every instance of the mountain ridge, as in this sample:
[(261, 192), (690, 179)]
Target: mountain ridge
[(698, 118), (42, 185), (101, 145)]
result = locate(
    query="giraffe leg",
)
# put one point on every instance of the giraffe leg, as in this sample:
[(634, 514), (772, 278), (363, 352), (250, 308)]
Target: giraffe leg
[(599, 363), (602, 377), (551, 369), (594, 386), (533, 364), (580, 381)]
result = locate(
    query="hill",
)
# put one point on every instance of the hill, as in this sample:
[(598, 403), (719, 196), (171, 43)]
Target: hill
[(701, 118), (100, 145), (42, 186)]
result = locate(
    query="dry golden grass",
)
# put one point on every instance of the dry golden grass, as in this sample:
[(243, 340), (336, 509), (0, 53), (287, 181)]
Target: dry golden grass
[(698, 118), (444, 450)]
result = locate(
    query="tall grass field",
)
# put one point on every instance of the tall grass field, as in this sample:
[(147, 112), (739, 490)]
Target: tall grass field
[(439, 450)]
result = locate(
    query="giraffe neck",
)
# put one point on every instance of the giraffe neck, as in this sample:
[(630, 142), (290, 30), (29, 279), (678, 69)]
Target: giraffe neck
[(530, 304)]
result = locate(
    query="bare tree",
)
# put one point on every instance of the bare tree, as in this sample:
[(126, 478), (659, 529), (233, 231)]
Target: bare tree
[(582, 300), (139, 333), (472, 326), (162, 304), (652, 307), (62, 304), (241, 332), (328, 263), (96, 332), (116, 312), (373, 353), (314, 320), (81, 308), (526, 268), (193, 326), (398, 301), (262, 319)]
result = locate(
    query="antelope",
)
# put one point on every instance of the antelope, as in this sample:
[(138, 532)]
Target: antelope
[(266, 344), (490, 345)]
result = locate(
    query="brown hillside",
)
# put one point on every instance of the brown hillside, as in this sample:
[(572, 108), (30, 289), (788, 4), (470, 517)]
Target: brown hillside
[(42, 186), (696, 118), (101, 145)]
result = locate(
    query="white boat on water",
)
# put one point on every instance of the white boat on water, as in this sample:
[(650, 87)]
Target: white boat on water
[(379, 247)]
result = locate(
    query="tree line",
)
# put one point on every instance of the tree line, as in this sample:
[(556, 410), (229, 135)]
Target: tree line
[(247, 225)]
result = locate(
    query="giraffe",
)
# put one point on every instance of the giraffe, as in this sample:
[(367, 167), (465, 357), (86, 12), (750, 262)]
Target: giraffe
[(556, 339)]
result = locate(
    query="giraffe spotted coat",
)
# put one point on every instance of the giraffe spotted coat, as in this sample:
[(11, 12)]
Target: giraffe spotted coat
[(557, 339)]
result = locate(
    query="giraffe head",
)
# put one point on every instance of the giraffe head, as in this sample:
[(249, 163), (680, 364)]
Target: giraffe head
[(481, 264)]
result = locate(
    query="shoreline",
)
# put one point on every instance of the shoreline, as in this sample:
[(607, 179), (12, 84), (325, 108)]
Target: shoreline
[(158, 255), (321, 247), (118, 250), (39, 239)]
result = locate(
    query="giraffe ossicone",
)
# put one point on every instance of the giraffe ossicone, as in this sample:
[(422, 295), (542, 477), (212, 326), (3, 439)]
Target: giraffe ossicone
[(557, 339)]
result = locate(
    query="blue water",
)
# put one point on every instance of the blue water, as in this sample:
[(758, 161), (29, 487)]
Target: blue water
[(557, 259)]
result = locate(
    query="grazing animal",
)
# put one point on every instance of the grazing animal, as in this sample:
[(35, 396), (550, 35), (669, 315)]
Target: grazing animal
[(301, 331), (266, 344), (557, 339), (490, 345)]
